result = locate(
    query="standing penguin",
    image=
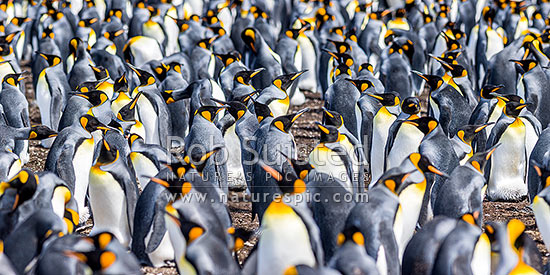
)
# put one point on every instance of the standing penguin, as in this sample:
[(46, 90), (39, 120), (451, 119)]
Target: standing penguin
[(517, 132), (113, 194), (51, 92), (382, 121), (204, 135), (16, 109)]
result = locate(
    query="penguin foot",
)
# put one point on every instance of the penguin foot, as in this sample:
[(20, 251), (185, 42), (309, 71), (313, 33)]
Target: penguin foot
[(298, 98)]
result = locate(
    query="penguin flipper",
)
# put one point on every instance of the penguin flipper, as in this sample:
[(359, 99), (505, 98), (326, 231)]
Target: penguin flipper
[(25, 118), (159, 225), (392, 133), (313, 231), (64, 167)]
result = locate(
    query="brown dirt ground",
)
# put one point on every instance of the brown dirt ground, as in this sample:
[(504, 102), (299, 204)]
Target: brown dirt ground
[(307, 137)]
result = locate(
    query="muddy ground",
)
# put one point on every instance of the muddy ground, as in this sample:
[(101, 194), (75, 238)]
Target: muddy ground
[(306, 135)]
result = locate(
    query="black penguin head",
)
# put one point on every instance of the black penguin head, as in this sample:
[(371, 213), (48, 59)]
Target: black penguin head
[(218, 30), (39, 132), (543, 170), (207, 42), (145, 78), (361, 84), (387, 99), (393, 179), (423, 164), (133, 138), (433, 81), (240, 237), (288, 181), (332, 118), (283, 123), (425, 124), (74, 43), (513, 108), (100, 72), (244, 77), (229, 58), (160, 71), (48, 32), (467, 133), (90, 123), (13, 79), (343, 70), (456, 70), (523, 66), (52, 60), (198, 159), (353, 234), (121, 84), (190, 230), (98, 259), (329, 134), (107, 154), (127, 113), (479, 160), (209, 112), (489, 90), (86, 23), (294, 33), (301, 168), (411, 105), (25, 182), (489, 14), (112, 35), (95, 97), (341, 47), (18, 21), (283, 82), (366, 66), (236, 109), (249, 37), (262, 111)]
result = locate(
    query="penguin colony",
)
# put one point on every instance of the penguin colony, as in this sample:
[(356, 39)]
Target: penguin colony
[(121, 86)]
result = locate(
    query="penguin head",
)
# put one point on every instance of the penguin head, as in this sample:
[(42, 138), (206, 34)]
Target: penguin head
[(456, 70), (393, 179), (39, 132), (294, 33), (367, 67), (112, 35), (240, 237), (341, 47), (342, 70), (351, 34), (244, 77), (424, 165), (250, 38), (52, 60), (236, 109), (472, 218), (127, 113), (121, 84), (100, 72), (25, 184), (467, 133), (332, 118), (91, 124), (489, 91), (190, 230), (329, 134), (301, 168), (426, 16), (283, 123), (218, 31), (283, 82), (513, 108), (87, 23), (207, 42), (19, 21), (229, 58), (87, 86), (97, 260), (452, 44), (379, 15), (411, 105), (209, 112), (48, 32), (114, 13), (523, 66), (160, 71), (387, 99), (107, 154), (361, 84), (95, 97), (479, 160), (338, 31), (288, 181), (74, 44), (145, 78), (352, 234), (425, 124), (133, 137), (433, 81), (13, 79), (262, 111)]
